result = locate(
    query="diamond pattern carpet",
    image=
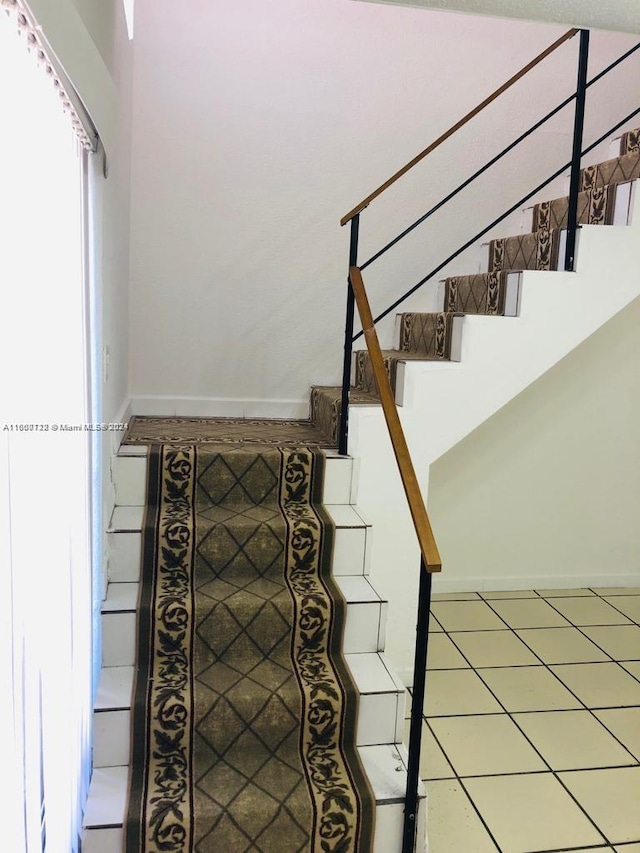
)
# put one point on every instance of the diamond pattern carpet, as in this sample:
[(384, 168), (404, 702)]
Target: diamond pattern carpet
[(245, 712)]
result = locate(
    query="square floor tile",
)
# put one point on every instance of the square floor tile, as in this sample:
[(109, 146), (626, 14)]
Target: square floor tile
[(529, 613), (455, 596), (452, 822), (489, 744), (628, 848), (572, 740), (434, 626), (622, 642), (530, 813), (610, 798), (617, 590), (633, 667), (433, 763), (513, 593), (493, 648), (599, 685), (624, 723), (528, 688), (457, 691), (442, 654), (561, 645), (563, 593), (466, 616), (628, 604), (589, 611)]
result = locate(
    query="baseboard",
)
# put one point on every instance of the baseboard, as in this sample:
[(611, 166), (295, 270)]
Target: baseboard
[(500, 584), (121, 418), (219, 407)]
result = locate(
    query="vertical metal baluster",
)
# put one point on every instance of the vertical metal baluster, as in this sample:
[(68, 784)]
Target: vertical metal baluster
[(348, 341), (578, 126), (417, 705)]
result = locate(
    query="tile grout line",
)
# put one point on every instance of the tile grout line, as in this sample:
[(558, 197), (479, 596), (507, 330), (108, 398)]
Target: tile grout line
[(509, 715)]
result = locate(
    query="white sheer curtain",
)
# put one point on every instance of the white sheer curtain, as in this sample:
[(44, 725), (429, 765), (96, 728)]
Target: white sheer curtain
[(45, 568)]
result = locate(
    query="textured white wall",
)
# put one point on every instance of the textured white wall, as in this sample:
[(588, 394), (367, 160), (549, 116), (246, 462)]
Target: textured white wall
[(256, 126), (550, 486)]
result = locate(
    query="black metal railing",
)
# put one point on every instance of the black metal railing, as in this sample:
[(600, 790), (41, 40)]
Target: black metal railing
[(577, 153)]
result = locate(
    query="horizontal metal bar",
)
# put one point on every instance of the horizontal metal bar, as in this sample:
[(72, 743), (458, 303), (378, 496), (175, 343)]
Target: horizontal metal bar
[(474, 112), (494, 160), (499, 220), (467, 182)]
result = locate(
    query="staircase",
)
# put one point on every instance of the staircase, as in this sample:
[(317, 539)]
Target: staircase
[(381, 713), (604, 199), (458, 353)]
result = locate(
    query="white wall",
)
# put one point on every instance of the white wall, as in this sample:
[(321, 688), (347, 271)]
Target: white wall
[(111, 250), (549, 487), (256, 127), (621, 15)]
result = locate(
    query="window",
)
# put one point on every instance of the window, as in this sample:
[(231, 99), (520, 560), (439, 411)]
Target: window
[(45, 564)]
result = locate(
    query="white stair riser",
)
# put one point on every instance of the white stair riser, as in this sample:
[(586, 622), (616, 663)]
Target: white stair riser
[(351, 550), (365, 627), (111, 738), (103, 840), (380, 718), (129, 480), (125, 552), (119, 639)]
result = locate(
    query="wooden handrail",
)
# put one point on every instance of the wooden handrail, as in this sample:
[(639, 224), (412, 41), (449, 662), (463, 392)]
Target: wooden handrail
[(421, 522), (474, 112)]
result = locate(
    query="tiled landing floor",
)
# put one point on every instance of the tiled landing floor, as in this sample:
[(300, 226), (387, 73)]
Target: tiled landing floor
[(531, 734)]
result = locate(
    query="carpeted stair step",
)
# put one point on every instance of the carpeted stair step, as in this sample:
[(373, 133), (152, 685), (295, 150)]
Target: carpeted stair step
[(426, 335), (364, 371), (595, 207), (630, 141), (537, 250), (482, 293), (324, 407), (626, 167)]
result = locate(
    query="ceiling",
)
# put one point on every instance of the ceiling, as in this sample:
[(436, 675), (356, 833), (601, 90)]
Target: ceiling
[(621, 15)]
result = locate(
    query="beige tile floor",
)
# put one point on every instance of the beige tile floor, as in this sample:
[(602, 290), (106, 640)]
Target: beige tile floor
[(531, 728)]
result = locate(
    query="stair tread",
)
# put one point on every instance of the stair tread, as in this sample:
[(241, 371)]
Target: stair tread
[(345, 515), (370, 673), (121, 597), (357, 589), (126, 519)]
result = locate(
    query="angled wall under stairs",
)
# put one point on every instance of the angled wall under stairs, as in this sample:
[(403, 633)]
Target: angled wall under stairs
[(498, 332)]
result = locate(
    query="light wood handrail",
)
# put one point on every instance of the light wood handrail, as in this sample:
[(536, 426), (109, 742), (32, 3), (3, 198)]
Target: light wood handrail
[(474, 112), (421, 522)]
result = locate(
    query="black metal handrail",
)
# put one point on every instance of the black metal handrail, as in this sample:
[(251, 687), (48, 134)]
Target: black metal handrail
[(424, 596), (495, 159), (498, 220)]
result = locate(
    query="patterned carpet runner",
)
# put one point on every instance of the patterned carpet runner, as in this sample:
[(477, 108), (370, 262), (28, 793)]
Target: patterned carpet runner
[(245, 713)]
